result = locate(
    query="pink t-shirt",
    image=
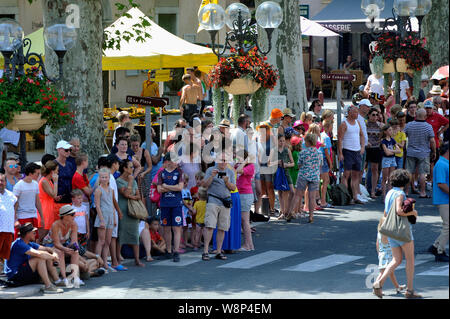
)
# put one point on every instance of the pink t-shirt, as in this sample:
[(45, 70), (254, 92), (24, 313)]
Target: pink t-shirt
[(244, 181)]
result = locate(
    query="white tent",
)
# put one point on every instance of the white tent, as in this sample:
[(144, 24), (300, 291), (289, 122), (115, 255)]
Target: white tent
[(314, 29), (162, 50)]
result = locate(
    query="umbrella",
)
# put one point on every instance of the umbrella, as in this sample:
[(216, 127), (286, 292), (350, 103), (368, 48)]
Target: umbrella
[(312, 28), (440, 73)]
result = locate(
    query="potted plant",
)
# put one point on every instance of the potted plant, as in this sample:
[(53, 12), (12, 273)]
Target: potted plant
[(31, 101), (409, 55), (241, 74)]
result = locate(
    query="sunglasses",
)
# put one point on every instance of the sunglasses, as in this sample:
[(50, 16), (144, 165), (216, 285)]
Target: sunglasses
[(13, 166), (67, 151)]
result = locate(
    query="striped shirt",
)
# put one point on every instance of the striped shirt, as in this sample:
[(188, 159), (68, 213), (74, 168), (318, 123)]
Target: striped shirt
[(419, 134)]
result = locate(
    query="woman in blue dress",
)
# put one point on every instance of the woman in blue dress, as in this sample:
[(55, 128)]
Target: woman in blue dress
[(399, 179)]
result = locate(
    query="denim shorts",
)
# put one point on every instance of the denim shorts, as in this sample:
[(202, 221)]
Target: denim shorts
[(324, 168), (397, 243), (388, 162)]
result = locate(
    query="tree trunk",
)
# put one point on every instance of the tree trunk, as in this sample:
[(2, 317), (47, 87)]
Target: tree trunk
[(435, 30), (82, 83), (287, 56)]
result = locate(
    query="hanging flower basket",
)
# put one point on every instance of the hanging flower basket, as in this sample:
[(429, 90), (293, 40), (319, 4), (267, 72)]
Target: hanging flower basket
[(32, 95), (26, 121), (242, 86), (401, 64)]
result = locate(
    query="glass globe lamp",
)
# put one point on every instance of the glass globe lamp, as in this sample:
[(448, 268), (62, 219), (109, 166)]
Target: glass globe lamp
[(232, 14), (60, 37), (11, 35), (269, 15), (212, 17)]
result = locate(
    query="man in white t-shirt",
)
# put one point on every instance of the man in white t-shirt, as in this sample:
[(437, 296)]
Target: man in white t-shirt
[(364, 108), (27, 193), (7, 201), (404, 89)]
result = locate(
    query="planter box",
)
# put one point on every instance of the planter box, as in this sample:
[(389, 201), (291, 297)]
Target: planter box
[(26, 121), (400, 64), (242, 86)]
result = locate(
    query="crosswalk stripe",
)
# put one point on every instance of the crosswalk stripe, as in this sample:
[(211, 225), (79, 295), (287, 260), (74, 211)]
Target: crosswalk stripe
[(259, 259), (437, 271), (420, 259), (185, 260), (323, 263)]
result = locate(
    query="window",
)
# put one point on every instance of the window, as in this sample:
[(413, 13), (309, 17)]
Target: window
[(168, 21)]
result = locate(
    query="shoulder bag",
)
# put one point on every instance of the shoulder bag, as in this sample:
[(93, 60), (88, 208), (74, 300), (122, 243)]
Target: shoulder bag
[(136, 209), (395, 226)]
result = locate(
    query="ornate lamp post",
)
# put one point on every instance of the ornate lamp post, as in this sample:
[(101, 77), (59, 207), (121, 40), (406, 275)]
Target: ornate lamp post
[(237, 16), (59, 37), (399, 23)]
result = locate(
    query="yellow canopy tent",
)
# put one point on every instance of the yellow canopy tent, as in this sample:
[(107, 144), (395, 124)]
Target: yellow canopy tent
[(162, 50)]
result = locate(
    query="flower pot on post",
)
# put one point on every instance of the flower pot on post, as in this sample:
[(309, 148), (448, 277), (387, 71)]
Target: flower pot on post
[(242, 86), (26, 121), (401, 65)]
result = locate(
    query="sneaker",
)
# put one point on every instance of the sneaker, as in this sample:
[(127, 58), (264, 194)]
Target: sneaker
[(433, 250), (176, 257), (166, 255), (51, 290), (441, 257)]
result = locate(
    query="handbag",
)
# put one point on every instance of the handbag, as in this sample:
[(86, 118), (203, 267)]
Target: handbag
[(281, 182), (395, 226), (408, 206), (136, 209), (227, 202)]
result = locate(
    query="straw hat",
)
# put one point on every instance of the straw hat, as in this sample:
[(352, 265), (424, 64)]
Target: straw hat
[(436, 90)]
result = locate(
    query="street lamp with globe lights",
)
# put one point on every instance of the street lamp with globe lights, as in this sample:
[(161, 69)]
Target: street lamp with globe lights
[(399, 23), (59, 37), (237, 17)]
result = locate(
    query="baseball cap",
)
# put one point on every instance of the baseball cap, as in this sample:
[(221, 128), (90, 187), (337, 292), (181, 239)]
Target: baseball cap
[(66, 210), (428, 104), (424, 77), (288, 112), (276, 113), (320, 60), (167, 157), (63, 144), (25, 228), (365, 102)]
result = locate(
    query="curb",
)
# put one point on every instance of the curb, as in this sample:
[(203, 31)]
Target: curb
[(19, 292)]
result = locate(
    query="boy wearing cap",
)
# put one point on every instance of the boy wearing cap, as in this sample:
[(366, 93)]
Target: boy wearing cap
[(29, 261), (27, 193), (65, 173), (170, 184)]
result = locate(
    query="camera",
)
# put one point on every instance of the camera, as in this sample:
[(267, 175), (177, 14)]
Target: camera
[(221, 174)]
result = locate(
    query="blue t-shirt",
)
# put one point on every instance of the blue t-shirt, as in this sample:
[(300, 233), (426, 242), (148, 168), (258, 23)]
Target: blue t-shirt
[(327, 145), (389, 145), (18, 256), (170, 199), (440, 176), (65, 174)]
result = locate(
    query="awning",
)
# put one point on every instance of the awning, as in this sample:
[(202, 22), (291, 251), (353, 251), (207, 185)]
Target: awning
[(346, 16), (314, 29), (162, 50)]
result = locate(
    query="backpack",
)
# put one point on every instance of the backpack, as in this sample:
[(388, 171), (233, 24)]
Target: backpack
[(339, 194)]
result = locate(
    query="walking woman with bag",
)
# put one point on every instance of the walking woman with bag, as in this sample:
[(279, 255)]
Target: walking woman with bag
[(398, 227)]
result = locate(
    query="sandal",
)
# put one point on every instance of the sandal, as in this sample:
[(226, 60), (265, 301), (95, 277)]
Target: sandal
[(120, 268), (205, 256), (410, 294), (221, 257), (400, 289), (377, 291)]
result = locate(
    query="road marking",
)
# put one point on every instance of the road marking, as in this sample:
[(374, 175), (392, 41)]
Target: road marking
[(437, 271), (420, 259), (323, 263), (117, 291), (185, 260), (259, 259)]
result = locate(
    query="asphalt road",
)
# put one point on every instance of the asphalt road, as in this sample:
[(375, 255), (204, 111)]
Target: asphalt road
[(333, 258)]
